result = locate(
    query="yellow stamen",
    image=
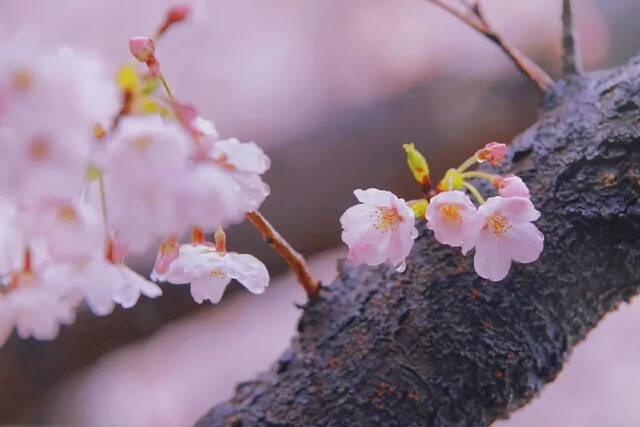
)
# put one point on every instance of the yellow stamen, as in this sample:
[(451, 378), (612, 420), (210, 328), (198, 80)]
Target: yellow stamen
[(22, 80), (498, 225), (388, 219), (217, 273), (451, 213)]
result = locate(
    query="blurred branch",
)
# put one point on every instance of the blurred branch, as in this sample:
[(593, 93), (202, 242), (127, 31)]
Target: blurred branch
[(296, 261), (474, 18), (571, 63)]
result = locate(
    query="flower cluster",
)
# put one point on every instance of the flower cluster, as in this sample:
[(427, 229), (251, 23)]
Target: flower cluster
[(501, 230), (93, 170)]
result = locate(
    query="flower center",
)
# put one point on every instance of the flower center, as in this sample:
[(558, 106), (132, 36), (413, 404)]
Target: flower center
[(217, 273), (38, 149), (388, 219), (67, 214), (451, 213), (498, 225), (22, 80)]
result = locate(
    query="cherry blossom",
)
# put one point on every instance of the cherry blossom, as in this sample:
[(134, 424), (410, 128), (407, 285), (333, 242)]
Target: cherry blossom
[(144, 166), (225, 183), (102, 285), (142, 48), (53, 102), (450, 215), (71, 231), (511, 186), (379, 229), (503, 232), (35, 312), (209, 271)]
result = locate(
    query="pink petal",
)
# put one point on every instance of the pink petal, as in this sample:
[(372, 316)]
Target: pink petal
[(525, 243), (492, 260)]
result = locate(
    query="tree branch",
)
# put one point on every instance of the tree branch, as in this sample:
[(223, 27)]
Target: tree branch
[(475, 19), (295, 261), (571, 63), (439, 346)]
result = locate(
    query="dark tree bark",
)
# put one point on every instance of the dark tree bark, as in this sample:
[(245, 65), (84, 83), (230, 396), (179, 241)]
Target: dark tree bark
[(438, 345)]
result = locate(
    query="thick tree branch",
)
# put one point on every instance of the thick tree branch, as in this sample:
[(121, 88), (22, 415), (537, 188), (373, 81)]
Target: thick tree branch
[(571, 63), (475, 19), (439, 346)]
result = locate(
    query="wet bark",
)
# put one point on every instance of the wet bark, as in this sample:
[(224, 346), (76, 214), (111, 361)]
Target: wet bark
[(439, 346)]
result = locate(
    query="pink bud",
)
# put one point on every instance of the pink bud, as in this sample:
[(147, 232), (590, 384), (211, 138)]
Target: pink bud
[(174, 15), (493, 153), (142, 48), (178, 13)]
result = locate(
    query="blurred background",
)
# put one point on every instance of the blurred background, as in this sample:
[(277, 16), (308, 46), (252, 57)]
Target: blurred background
[(330, 89)]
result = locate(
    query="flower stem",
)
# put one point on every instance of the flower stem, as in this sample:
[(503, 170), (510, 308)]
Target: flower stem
[(468, 163), (295, 261), (476, 174), (166, 87), (473, 190), (103, 204)]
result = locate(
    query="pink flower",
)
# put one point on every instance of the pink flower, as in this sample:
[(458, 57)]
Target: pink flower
[(142, 48), (209, 272), (501, 233), (35, 311), (53, 103), (225, 183), (493, 153), (144, 167), (70, 231), (449, 215), (35, 305), (511, 186), (192, 123), (380, 228), (102, 284)]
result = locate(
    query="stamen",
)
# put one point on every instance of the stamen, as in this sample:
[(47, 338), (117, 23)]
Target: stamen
[(217, 273), (388, 219), (498, 225), (451, 213)]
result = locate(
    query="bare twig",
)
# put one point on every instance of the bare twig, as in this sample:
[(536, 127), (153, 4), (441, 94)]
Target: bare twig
[(476, 20), (291, 256), (571, 63)]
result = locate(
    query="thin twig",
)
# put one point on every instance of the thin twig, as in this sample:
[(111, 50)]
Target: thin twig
[(476, 21), (571, 63), (291, 256)]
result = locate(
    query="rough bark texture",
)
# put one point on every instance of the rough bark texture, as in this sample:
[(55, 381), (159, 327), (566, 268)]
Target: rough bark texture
[(439, 346)]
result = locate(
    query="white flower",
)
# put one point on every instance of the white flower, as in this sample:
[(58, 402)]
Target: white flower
[(503, 232), (209, 272), (449, 215), (70, 231), (379, 229), (52, 103), (102, 284), (145, 164), (225, 183)]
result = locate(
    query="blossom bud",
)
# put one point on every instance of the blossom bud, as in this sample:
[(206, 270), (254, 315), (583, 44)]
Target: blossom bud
[(417, 164), (493, 153), (419, 207), (142, 48), (452, 181)]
